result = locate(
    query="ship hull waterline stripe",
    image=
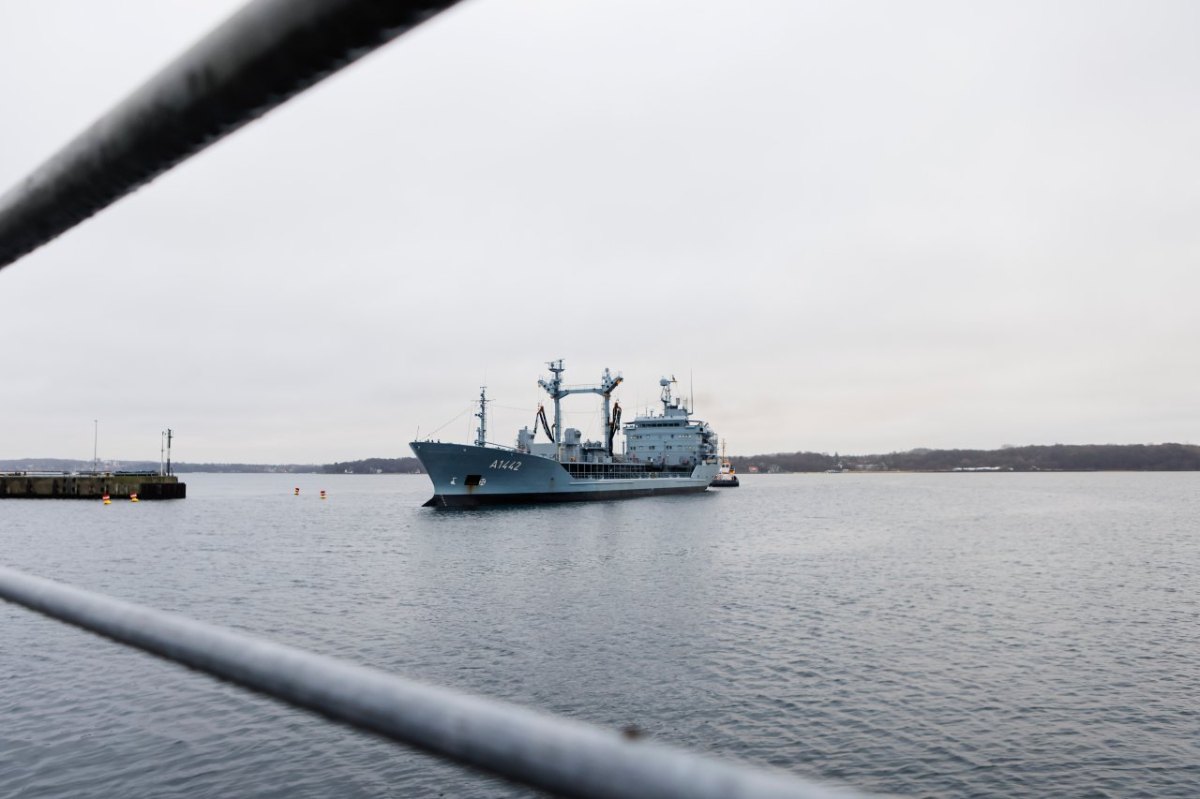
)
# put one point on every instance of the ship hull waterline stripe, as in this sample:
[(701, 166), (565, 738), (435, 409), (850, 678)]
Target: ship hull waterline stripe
[(548, 497)]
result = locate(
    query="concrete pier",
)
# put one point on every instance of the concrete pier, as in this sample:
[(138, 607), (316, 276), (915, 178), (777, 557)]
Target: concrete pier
[(118, 485)]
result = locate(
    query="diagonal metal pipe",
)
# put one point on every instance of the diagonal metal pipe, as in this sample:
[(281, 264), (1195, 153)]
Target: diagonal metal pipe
[(562, 756), (266, 53)]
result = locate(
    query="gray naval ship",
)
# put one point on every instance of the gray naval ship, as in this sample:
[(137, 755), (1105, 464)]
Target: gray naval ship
[(667, 453)]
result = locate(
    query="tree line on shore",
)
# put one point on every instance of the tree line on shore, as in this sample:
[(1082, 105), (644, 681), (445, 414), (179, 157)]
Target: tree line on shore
[(375, 466), (177, 467), (1052, 458)]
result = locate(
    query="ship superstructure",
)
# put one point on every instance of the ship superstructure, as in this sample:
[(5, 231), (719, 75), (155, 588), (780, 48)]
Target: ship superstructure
[(672, 439), (661, 454)]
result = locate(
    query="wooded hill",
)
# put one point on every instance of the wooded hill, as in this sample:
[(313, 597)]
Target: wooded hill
[(375, 466), (1055, 458), (177, 467)]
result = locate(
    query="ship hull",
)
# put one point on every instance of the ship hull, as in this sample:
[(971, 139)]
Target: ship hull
[(466, 476)]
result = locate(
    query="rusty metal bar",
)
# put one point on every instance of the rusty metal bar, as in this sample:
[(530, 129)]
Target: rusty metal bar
[(260, 57)]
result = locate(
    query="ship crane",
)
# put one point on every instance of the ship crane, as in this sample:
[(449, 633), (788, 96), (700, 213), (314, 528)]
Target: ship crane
[(555, 388)]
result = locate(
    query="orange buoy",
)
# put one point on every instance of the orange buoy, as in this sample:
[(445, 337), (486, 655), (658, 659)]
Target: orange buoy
[(133, 496), (322, 493), (107, 501), (297, 491)]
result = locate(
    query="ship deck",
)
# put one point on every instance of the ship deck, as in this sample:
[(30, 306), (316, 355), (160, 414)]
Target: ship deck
[(623, 471)]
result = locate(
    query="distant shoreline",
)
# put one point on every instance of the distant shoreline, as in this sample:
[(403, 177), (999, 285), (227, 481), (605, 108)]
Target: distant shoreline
[(1052, 458), (1038, 458)]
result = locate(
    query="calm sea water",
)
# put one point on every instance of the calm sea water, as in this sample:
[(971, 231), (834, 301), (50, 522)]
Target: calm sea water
[(928, 635)]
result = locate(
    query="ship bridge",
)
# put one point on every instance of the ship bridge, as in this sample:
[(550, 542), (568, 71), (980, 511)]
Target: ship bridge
[(671, 438)]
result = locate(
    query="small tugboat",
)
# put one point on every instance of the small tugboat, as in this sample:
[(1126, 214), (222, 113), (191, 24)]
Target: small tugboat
[(726, 478)]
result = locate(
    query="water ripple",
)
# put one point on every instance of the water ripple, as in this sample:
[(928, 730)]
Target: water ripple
[(928, 635)]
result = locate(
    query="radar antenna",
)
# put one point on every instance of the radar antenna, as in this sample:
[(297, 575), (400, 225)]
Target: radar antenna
[(666, 399)]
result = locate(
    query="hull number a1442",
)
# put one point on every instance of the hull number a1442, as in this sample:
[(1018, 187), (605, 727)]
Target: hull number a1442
[(512, 466)]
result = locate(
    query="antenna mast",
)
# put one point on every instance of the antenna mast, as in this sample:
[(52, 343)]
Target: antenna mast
[(481, 433)]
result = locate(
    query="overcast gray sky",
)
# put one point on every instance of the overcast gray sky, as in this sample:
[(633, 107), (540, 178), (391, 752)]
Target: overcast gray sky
[(860, 227)]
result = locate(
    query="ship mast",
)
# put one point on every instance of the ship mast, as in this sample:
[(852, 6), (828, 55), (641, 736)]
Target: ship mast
[(481, 432), (608, 384), (553, 387), (666, 399)]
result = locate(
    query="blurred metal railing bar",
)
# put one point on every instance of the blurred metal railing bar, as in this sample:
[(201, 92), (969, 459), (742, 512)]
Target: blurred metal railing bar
[(564, 757), (263, 55)]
